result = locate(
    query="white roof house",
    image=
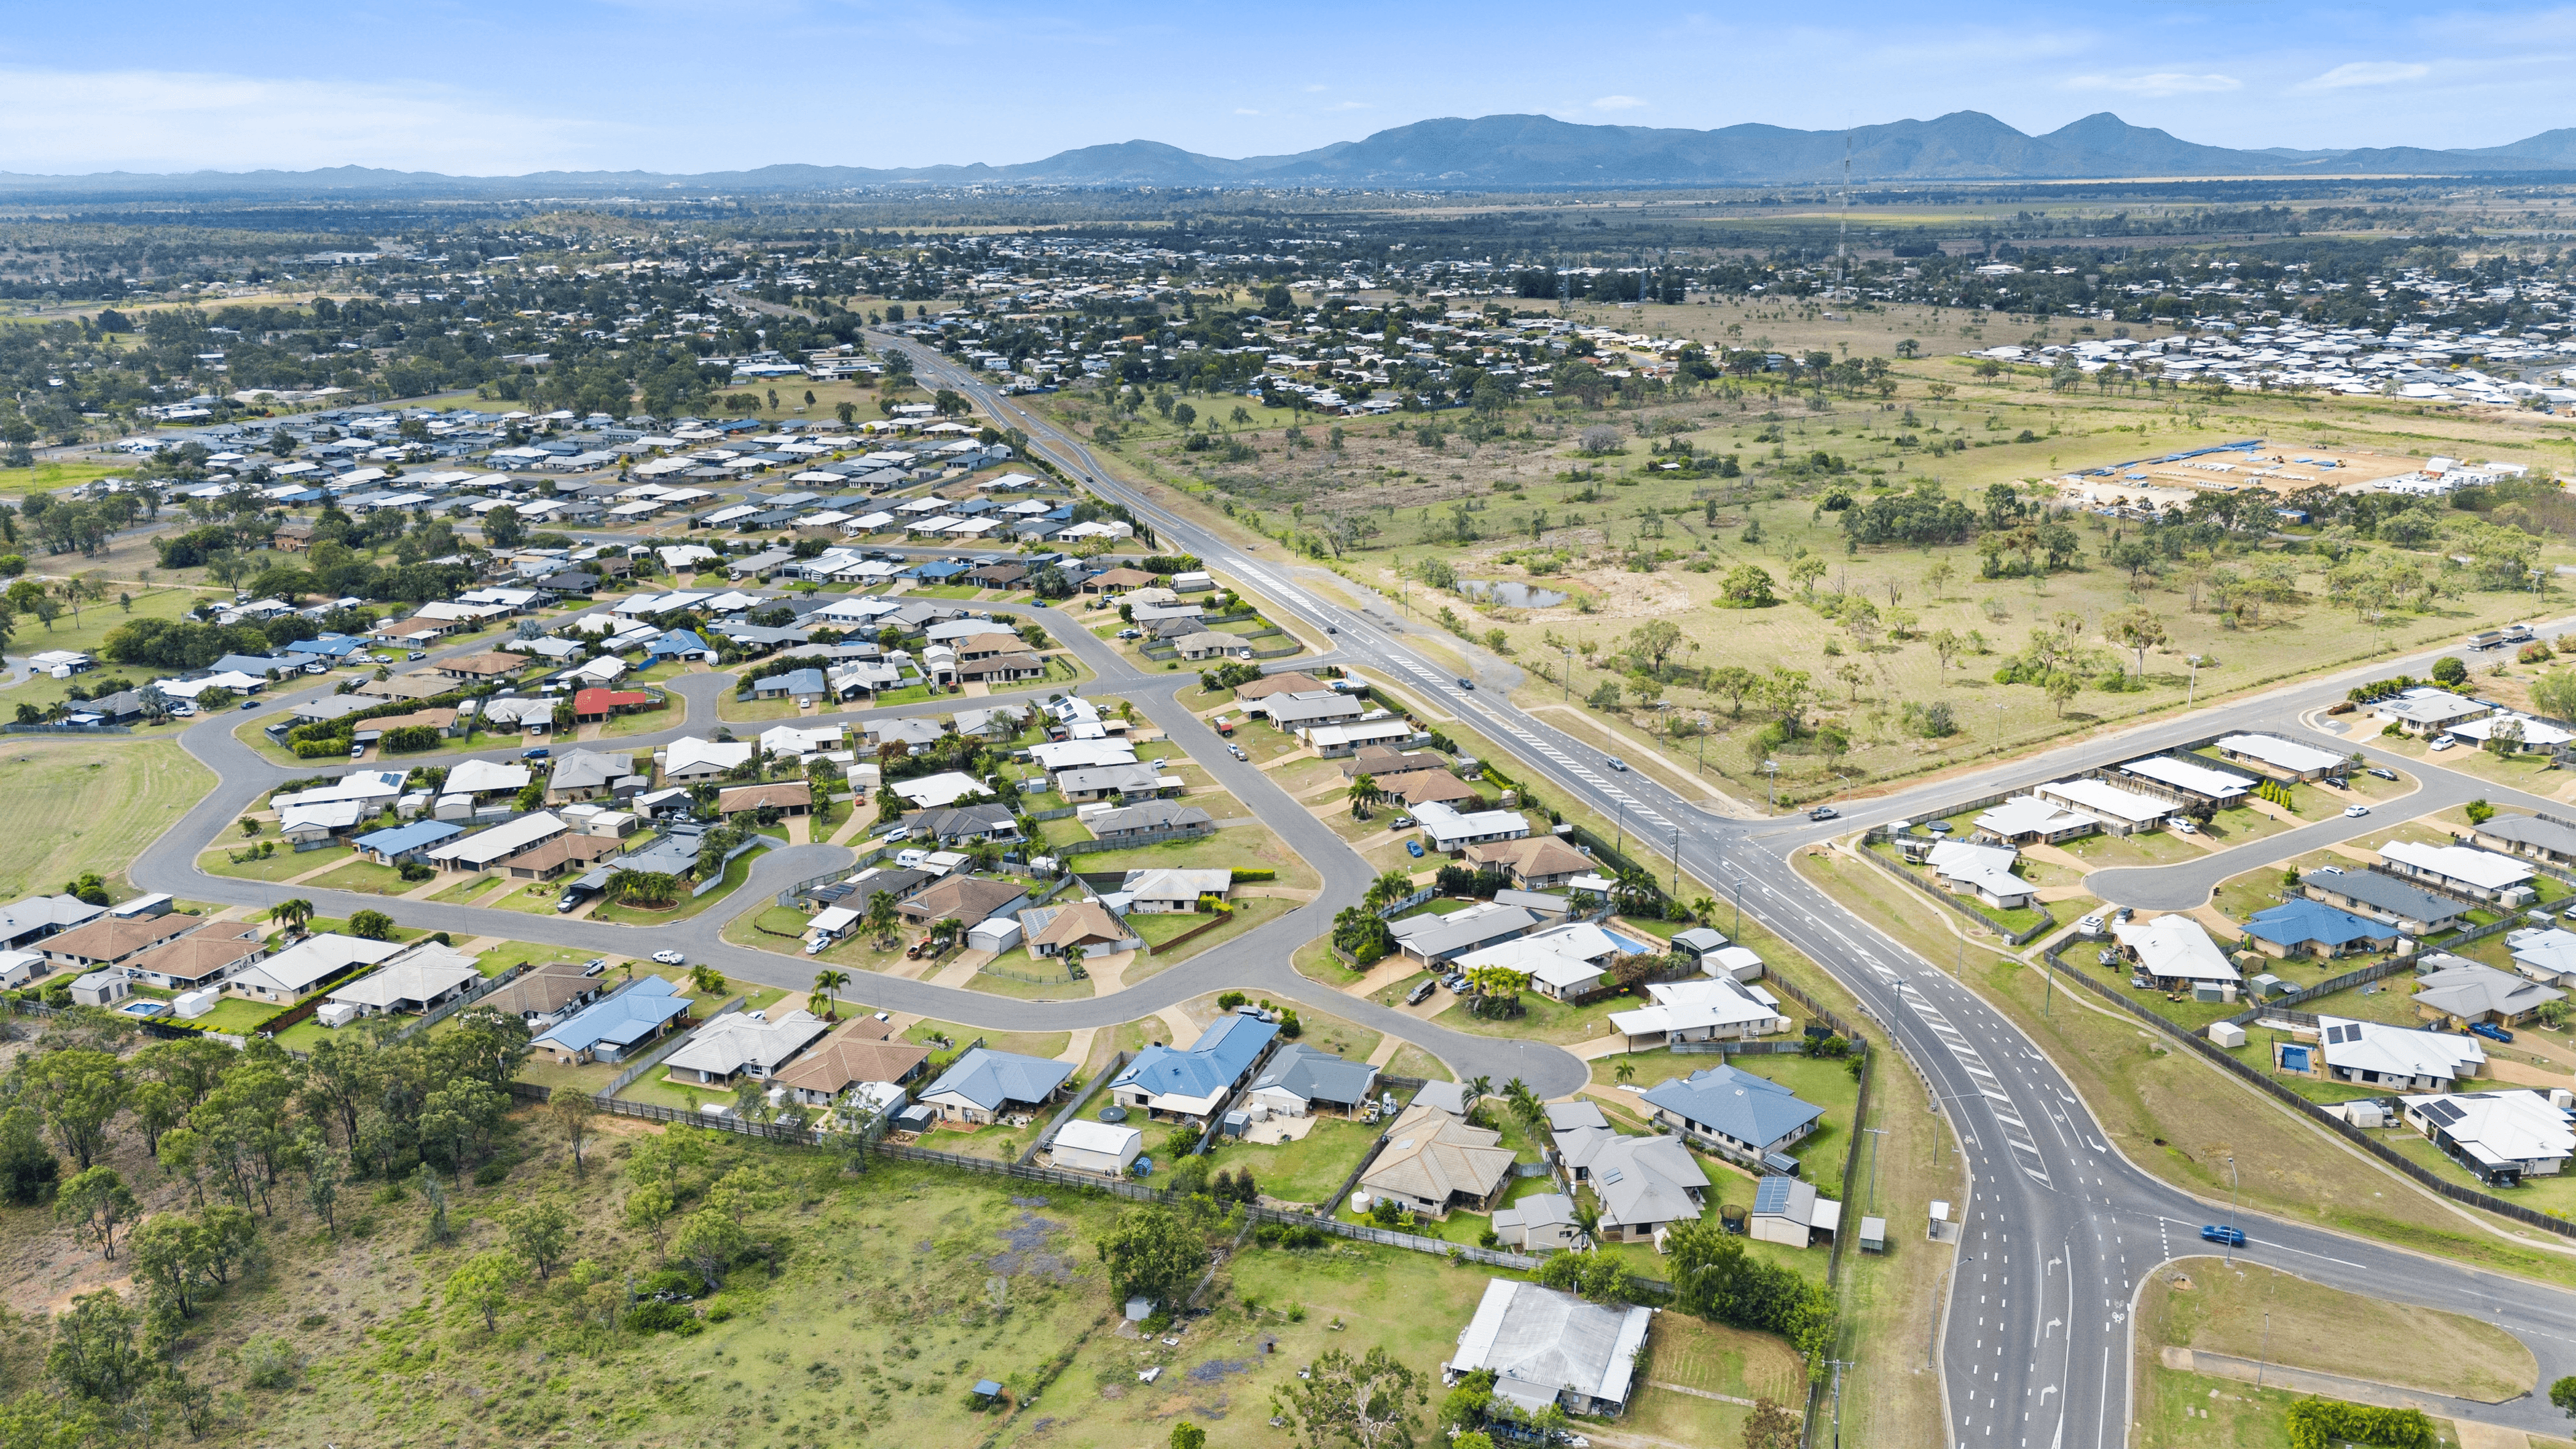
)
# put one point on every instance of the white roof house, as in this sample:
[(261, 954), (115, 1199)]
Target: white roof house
[(945, 788), (478, 777), (2516, 1133), (2175, 948), (2537, 734), (2029, 815), (2281, 754), (2099, 797), (1547, 1346), (1451, 829), (2544, 955), (2195, 779), (487, 847), (2372, 1053), (1703, 1008), (749, 1043), (413, 982), (294, 971), (690, 758), (2460, 866), (1985, 871)]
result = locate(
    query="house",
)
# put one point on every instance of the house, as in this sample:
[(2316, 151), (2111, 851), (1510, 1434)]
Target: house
[(680, 644), (285, 978), (963, 824), (1083, 1145), (1790, 1212), (1696, 943), (111, 941), (199, 958), (1175, 892), (1540, 1221), (2199, 782), (2457, 993), (1084, 928), (2426, 710), (545, 994), (2544, 955), (1565, 963), (2371, 1053), (444, 722), (1142, 781), (418, 980), (1548, 1347), (2511, 734), (1333, 741), (968, 900), (2316, 929), (485, 777), (1533, 863), (1428, 786), (689, 758), (2175, 952), (552, 858), (587, 775), (1298, 1079), (1434, 939), (481, 668), (609, 1029), (945, 788), (2384, 897), (1433, 1161), (1642, 1184), (2535, 837), (2122, 812), (788, 797), (25, 922), (743, 1044), (984, 1085), (1150, 822), (1290, 681), (2280, 758), (2460, 870), (1733, 1113), (1191, 1084), (2503, 1137), (589, 706), (1984, 871), (1705, 1009), (1292, 712), (799, 686), (1452, 830), (854, 1056), (489, 848)]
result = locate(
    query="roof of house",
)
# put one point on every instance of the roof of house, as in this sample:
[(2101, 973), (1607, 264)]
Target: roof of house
[(1539, 1341), (2028, 814), (1079, 922), (502, 840), (2101, 797), (2429, 706), (1312, 1074), (563, 849), (2370, 1046), (2385, 892), (1173, 883), (971, 899), (588, 769), (418, 977), (2533, 830), (1223, 1052), (779, 794), (1536, 855), (296, 968), (113, 938), (37, 913), (1431, 1154), (1987, 868), (1463, 930), (1293, 681), (1637, 1179), (2551, 952), (948, 821), (2184, 775), (2175, 947), (621, 1020), (474, 777), (401, 839), (1149, 815), (2483, 869), (2499, 1129), (740, 1039), (541, 990), (851, 1055), (2467, 989), (989, 1078), (200, 952), (1735, 1103), (2298, 921), (2280, 753)]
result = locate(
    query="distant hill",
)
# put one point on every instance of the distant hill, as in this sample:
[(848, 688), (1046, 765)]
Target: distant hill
[(1482, 153)]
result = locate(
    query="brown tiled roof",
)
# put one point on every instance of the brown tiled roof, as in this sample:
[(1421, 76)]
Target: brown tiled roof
[(111, 939), (853, 1054), (1081, 921), (1124, 578), (1431, 1155), (964, 897), (437, 719), (562, 849), (485, 665), (1537, 855), (1414, 787), (1293, 682), (781, 793), (201, 952), (542, 989)]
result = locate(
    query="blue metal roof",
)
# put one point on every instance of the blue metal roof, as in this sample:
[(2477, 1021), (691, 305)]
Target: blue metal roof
[(1737, 1103), (1222, 1053), (403, 838), (678, 641), (2297, 922), (624, 1019)]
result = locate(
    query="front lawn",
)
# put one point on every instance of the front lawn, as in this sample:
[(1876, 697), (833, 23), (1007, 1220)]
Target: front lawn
[(285, 864), (735, 874), (364, 876)]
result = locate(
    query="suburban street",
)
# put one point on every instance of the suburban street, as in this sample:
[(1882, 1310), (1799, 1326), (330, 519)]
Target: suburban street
[(2061, 1229)]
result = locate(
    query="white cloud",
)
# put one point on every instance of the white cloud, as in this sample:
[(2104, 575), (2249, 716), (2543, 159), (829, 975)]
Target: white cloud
[(2366, 73), (1617, 103), (2156, 83), (184, 121)]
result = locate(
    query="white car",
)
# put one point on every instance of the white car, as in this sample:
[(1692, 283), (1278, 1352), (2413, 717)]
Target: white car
[(2439, 745), (2355, 812), (669, 958), (2089, 926)]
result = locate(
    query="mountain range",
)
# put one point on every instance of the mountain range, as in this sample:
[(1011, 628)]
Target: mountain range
[(1487, 152)]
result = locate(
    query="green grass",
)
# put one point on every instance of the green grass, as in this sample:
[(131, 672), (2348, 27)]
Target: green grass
[(464, 891), (1025, 1043), (735, 874), (286, 864), (1307, 1170), (236, 1015), (365, 876), (1243, 847), (69, 804)]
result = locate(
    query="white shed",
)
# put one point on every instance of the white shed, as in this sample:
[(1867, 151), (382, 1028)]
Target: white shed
[(1087, 1146), (997, 935), (2226, 1034)]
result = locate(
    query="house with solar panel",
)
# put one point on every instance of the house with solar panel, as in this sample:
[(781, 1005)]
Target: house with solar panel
[(2503, 1137), (2374, 1054)]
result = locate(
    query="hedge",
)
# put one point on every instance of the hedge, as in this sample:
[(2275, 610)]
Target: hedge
[(1240, 876), (2324, 1423)]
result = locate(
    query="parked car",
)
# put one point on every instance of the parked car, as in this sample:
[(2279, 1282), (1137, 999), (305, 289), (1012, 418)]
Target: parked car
[(670, 958), (314, 668), (2184, 825), (250, 704), (2329, 870), (1401, 822), (2221, 1233), (2089, 926), (1131, 633), (1237, 752), (1421, 993), (2490, 1031), (417, 654), (2355, 812), (2337, 782), (594, 966), (1824, 812), (1413, 848), (2379, 774), (357, 752), (2439, 745), (382, 658)]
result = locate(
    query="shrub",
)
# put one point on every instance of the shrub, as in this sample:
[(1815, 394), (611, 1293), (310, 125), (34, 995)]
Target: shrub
[(658, 1317), (271, 1363)]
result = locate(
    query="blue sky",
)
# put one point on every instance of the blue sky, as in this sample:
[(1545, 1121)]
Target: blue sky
[(470, 86)]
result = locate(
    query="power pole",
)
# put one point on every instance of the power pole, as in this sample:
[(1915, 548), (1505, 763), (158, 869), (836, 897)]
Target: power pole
[(1873, 1165), (1842, 242), (1839, 1366)]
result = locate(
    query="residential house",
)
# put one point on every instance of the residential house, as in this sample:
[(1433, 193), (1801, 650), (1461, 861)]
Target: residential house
[(1433, 1162), (416, 980), (2535, 837), (587, 775), (1540, 1222), (1702, 1009), (487, 849), (1984, 871), (2546, 955), (1299, 1079), (962, 824), (968, 900), (1451, 830), (1642, 1184), (689, 758), (2426, 710), (2121, 812), (2313, 928), (2281, 759), (1546, 1347), (2460, 870), (111, 940), (199, 958), (2175, 952), (2374, 1054), (546, 994), (1434, 939), (1171, 891), (985, 1085), (2196, 782), (1139, 781), (612, 1028), (1733, 1113), (1533, 863), (288, 976), (2503, 1137), (743, 1044), (1565, 963), (1791, 1213), (572, 850), (1191, 1084), (25, 922), (2457, 993), (856, 1055), (945, 788), (1149, 822), (788, 797), (2384, 897), (590, 706)]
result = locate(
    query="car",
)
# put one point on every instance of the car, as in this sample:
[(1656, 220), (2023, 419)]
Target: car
[(2185, 825), (816, 946), (1421, 993), (2222, 1233), (357, 752), (1131, 633), (670, 958), (1401, 822), (2444, 743), (2089, 926), (2355, 812), (1614, 762), (1939, 827), (417, 654), (250, 704), (314, 668), (885, 1016), (1465, 683), (594, 966), (1413, 848), (382, 658), (899, 833), (2337, 782), (2490, 1031), (1237, 752), (2329, 870), (539, 753), (182, 710), (2377, 773), (1824, 812), (1331, 629)]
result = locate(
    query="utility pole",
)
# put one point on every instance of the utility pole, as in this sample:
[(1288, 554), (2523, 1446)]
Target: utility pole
[(1771, 768), (1839, 1366), (1568, 651), (2048, 996), (2192, 691), (2267, 1348), (2231, 1210), (1873, 1165), (1677, 862)]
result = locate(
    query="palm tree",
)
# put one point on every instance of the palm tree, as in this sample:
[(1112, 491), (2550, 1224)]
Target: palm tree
[(1587, 1217), (292, 914), (1478, 1090), (827, 987), (1364, 793), (706, 979), (1389, 888), (881, 916), (1626, 1072), (1704, 909)]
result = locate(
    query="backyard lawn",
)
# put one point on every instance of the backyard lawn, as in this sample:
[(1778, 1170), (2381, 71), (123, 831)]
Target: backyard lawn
[(1308, 1170)]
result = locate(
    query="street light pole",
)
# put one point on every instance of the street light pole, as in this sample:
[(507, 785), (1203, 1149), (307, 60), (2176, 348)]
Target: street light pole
[(1771, 768), (1568, 651), (2231, 1210), (1873, 1165), (2192, 691)]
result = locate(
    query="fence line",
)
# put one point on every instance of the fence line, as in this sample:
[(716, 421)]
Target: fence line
[(2385, 1154), (2365, 975), (653, 1058), (1046, 1137), (456, 1004)]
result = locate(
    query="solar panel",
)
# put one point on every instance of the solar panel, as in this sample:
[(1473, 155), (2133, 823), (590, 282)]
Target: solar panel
[(1611, 1177)]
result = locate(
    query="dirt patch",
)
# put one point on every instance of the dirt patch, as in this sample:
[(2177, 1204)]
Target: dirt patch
[(1030, 1252)]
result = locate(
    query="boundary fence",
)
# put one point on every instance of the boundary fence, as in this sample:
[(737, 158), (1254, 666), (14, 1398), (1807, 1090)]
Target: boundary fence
[(2047, 918)]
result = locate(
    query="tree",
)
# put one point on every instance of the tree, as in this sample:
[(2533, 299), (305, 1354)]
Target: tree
[(168, 1251), (571, 1112), (2563, 1394), (2060, 689), (76, 1091), (826, 1000), (2449, 672), (1186, 1435), (1771, 1427), (1805, 571), (484, 1286), (94, 1203), (371, 926), (2136, 630), (707, 979), (94, 1354), (541, 1232), (1652, 642), (1368, 1403), (2554, 694), (292, 914), (881, 915), (1747, 586), (711, 1240), (1786, 692), (27, 1170), (1154, 1255), (323, 1171)]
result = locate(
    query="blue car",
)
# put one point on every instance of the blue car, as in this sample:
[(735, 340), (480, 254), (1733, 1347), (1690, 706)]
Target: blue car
[(1413, 848), (2219, 1233), (2490, 1031), (539, 753)]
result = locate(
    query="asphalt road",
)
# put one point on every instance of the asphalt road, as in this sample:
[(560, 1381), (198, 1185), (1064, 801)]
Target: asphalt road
[(2060, 1228)]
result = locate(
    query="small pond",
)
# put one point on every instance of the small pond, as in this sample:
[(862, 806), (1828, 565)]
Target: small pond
[(1511, 595)]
